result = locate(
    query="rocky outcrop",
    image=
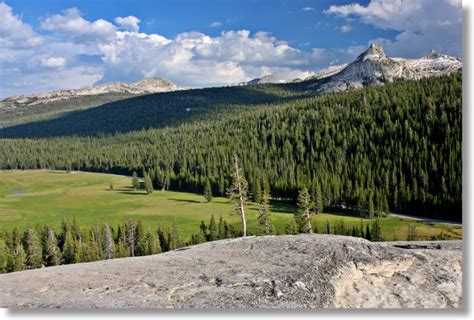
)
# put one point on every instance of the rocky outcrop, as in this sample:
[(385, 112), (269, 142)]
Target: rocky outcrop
[(303, 271), (150, 85), (373, 67)]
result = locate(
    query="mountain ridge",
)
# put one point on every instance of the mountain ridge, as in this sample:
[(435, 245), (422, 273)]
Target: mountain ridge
[(373, 67), (144, 86)]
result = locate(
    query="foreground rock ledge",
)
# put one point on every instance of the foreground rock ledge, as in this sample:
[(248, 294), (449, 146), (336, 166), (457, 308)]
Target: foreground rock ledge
[(303, 271)]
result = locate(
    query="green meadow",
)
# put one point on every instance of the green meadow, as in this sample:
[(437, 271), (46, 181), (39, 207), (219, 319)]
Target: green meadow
[(47, 197)]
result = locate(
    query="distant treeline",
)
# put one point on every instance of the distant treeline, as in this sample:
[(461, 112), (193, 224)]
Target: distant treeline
[(43, 246), (395, 148)]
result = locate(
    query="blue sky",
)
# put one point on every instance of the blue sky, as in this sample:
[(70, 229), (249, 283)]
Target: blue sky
[(47, 45), (301, 23)]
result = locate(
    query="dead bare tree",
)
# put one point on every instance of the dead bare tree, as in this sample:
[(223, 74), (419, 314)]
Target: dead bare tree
[(238, 193)]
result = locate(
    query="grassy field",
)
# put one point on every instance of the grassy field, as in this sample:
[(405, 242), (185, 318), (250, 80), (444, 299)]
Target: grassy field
[(28, 197)]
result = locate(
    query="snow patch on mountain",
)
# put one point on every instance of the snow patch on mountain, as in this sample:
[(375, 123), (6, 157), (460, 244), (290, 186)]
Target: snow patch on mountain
[(373, 67)]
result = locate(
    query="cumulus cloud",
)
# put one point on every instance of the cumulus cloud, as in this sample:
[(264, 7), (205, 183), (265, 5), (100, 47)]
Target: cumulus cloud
[(53, 62), (44, 80), (308, 9), (71, 24), (129, 23), (13, 32), (423, 24), (215, 24), (196, 59)]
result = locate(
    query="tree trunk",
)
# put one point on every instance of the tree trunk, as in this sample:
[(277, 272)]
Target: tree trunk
[(241, 200), (308, 219)]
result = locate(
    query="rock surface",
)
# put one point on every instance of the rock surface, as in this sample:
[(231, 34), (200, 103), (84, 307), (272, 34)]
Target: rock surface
[(373, 67), (150, 85), (303, 271)]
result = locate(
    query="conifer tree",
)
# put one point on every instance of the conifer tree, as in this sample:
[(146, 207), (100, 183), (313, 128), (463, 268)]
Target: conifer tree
[(376, 231), (34, 250), (368, 234), (371, 207), (16, 260), (75, 229), (265, 226), (139, 239), (3, 257), (361, 229), (148, 184), (93, 248), (221, 228), (62, 234), (109, 244), (201, 237), (213, 232), (163, 239), (291, 228), (130, 238), (303, 215), (120, 249), (152, 244), (257, 195), (135, 182), (207, 191), (69, 249), (227, 231), (317, 198), (51, 253), (354, 232), (174, 238)]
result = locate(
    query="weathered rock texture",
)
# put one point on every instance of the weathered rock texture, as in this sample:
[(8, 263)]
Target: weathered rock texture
[(304, 271)]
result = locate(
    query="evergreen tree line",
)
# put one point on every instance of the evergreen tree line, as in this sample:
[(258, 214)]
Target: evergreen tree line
[(43, 246), (392, 148), (370, 231)]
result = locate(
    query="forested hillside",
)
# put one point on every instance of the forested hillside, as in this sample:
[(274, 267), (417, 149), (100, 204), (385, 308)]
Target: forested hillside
[(396, 147), (94, 115)]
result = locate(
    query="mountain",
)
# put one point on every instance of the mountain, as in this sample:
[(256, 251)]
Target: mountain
[(332, 70), (373, 67), (393, 150), (150, 85), (269, 79), (265, 79)]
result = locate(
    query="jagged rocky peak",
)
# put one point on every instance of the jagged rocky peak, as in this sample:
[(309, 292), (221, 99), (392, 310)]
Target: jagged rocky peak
[(373, 67), (374, 52), (433, 54)]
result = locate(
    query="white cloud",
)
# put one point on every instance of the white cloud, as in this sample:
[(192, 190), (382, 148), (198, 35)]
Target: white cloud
[(196, 59), (423, 24), (13, 32), (215, 24), (129, 23), (71, 24), (308, 9), (76, 52), (45, 80), (53, 62), (345, 28)]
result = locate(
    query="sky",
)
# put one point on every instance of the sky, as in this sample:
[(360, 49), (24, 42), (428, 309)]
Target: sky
[(51, 44)]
